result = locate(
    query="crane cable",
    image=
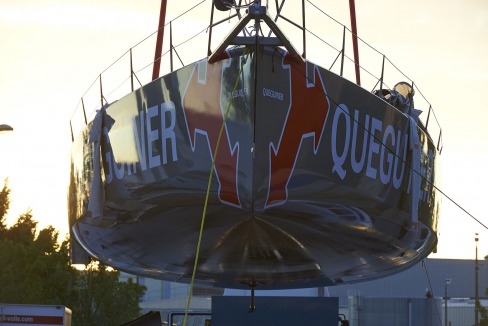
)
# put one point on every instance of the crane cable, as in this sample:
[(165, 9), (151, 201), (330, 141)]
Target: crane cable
[(424, 266), (246, 54)]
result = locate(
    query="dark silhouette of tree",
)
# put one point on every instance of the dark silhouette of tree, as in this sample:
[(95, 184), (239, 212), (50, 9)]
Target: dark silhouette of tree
[(24, 230), (35, 269), (4, 205), (100, 296), (483, 312)]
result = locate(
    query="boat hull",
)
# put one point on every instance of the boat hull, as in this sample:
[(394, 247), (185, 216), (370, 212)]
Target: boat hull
[(315, 181)]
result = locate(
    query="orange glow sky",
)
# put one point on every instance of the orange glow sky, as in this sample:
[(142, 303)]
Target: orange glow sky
[(51, 51)]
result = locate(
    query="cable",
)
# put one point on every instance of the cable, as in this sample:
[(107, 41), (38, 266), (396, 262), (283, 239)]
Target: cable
[(246, 54), (431, 291), (310, 81), (137, 44), (184, 13), (335, 102), (371, 47), (459, 206)]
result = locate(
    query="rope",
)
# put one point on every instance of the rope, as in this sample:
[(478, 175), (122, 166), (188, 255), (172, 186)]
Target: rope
[(208, 188), (431, 291)]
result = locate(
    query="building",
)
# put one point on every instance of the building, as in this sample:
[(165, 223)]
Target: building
[(408, 292)]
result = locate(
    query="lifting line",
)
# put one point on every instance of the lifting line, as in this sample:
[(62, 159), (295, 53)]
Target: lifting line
[(246, 54)]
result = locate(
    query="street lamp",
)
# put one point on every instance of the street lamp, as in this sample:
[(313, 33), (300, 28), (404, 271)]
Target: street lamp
[(476, 303), (4, 128), (448, 281)]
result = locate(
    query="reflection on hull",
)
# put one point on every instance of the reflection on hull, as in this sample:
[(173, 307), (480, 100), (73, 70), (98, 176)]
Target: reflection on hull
[(312, 180)]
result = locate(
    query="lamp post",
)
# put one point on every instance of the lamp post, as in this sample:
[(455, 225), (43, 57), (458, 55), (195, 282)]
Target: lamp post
[(4, 128), (447, 282), (476, 303)]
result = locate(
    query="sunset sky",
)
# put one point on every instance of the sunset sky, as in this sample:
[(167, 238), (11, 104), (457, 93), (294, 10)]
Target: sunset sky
[(51, 51)]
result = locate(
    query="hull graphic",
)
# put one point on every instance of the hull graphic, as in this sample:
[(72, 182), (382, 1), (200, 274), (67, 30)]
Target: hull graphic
[(313, 181)]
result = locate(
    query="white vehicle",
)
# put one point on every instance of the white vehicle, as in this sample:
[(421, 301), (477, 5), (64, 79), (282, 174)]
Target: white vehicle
[(34, 315)]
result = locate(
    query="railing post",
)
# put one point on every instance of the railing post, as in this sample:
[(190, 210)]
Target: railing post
[(410, 107), (84, 111), (131, 72), (343, 49), (439, 142), (209, 51), (171, 45), (71, 128), (101, 91), (382, 75), (304, 30), (428, 116)]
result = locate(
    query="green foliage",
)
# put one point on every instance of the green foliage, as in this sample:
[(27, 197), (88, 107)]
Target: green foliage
[(483, 312), (35, 269), (4, 205), (100, 297)]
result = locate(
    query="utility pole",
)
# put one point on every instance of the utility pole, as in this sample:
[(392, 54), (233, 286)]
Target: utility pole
[(476, 267), (448, 281)]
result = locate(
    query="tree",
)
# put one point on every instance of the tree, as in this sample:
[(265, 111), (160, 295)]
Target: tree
[(483, 312), (36, 269), (4, 205), (100, 296)]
